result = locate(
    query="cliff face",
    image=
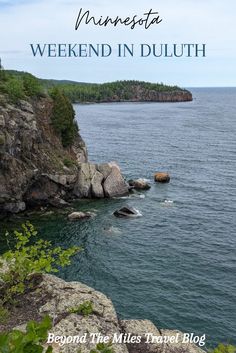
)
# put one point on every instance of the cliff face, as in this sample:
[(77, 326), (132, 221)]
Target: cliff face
[(140, 94), (35, 169)]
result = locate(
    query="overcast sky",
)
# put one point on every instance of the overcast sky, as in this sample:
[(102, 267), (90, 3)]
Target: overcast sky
[(184, 21)]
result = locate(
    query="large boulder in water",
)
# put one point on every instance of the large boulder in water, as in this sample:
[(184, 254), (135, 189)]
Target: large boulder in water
[(82, 188), (139, 184), (162, 177), (115, 185), (126, 211), (100, 180)]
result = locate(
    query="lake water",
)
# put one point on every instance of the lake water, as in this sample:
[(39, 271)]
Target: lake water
[(175, 265)]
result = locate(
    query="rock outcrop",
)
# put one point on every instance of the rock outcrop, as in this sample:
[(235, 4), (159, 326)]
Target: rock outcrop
[(139, 184), (127, 211), (59, 299), (35, 168), (161, 177), (100, 180)]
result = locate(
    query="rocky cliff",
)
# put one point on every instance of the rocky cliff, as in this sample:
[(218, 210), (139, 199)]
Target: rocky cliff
[(35, 168), (59, 299), (140, 94)]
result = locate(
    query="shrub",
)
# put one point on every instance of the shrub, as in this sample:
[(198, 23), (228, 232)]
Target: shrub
[(32, 86), (15, 89), (3, 314), (68, 162), (25, 259), (85, 308), (222, 348), (27, 342), (103, 348)]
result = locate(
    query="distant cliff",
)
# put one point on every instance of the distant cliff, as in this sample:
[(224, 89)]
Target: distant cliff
[(118, 91), (123, 91)]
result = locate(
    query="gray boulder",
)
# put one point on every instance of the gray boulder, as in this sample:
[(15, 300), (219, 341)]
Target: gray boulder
[(139, 184), (115, 185), (100, 180), (15, 207), (143, 327), (96, 185), (85, 175)]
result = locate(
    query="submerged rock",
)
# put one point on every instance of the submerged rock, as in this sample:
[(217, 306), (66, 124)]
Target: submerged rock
[(126, 212), (162, 177), (139, 184), (74, 216)]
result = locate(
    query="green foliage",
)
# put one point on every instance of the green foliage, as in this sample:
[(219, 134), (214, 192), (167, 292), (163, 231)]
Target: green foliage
[(85, 309), (3, 314), (25, 259), (27, 342), (119, 90), (15, 89), (32, 85), (221, 348), (63, 116), (19, 85), (67, 162), (103, 348)]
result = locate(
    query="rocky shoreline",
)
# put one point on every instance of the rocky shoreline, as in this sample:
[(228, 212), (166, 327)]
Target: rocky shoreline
[(37, 171)]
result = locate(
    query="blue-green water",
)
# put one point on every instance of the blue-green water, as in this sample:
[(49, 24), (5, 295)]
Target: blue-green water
[(175, 265)]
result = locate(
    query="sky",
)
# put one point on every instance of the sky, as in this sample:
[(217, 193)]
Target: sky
[(212, 22)]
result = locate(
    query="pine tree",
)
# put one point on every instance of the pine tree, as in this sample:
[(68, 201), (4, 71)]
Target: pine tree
[(32, 85), (63, 116)]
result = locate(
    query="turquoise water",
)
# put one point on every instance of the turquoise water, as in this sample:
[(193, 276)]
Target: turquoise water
[(175, 265)]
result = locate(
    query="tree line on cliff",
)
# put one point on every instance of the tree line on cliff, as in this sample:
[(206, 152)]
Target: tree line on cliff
[(22, 85), (16, 86)]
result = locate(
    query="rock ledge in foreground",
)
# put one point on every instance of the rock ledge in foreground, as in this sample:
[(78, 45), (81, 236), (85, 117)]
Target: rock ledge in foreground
[(55, 297)]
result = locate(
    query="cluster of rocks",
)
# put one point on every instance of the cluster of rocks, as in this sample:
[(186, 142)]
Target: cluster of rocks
[(54, 297), (89, 181)]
